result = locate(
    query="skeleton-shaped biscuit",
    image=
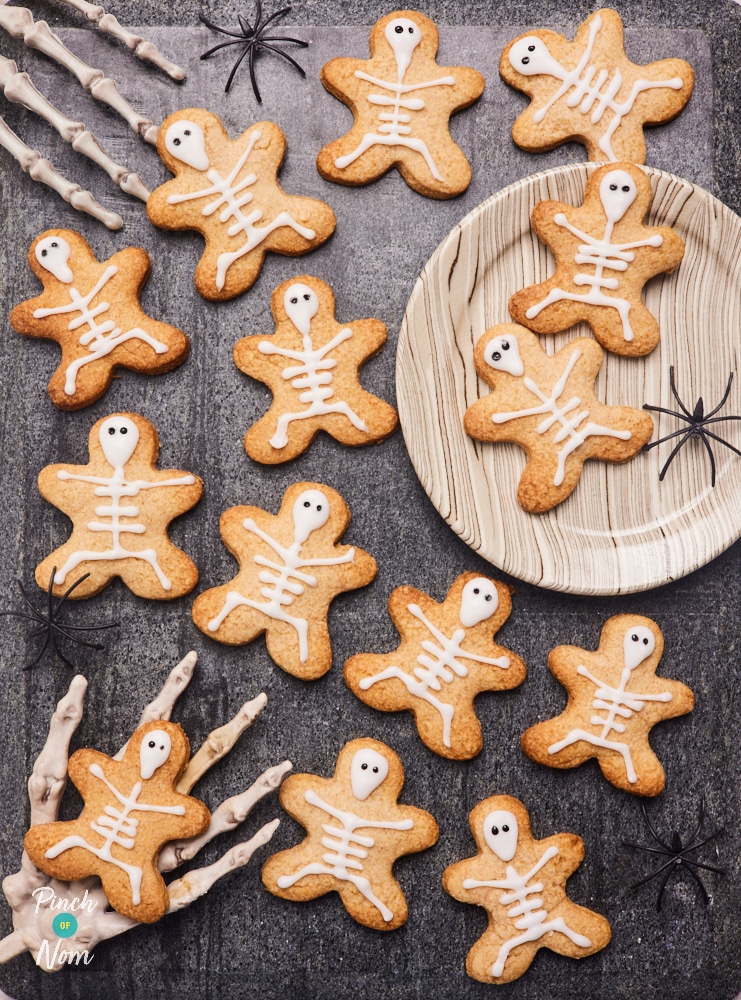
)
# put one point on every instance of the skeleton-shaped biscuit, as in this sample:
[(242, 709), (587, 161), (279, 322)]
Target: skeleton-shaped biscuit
[(521, 883), (355, 832), (402, 101), (615, 698), (290, 570), (91, 308), (131, 811), (447, 656), (604, 257), (215, 179), (120, 505), (547, 406), (589, 90), (311, 365)]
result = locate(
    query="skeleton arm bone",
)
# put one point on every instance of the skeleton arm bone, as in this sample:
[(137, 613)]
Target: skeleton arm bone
[(404, 88)]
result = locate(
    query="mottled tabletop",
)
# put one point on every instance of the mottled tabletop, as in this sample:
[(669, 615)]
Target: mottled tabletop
[(240, 941)]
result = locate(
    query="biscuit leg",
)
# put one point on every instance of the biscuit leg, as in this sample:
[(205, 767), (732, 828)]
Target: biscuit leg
[(579, 734)]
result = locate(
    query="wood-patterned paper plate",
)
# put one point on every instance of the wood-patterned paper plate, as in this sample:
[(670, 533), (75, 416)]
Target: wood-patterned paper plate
[(621, 530)]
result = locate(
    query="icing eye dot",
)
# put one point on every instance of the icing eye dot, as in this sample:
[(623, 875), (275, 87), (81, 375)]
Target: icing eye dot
[(634, 637), (186, 132), (476, 590), (613, 187), (645, 642), (44, 253), (505, 345), (487, 597), (124, 430), (626, 188), (307, 503), (176, 142), (294, 300), (364, 767), (496, 356), (530, 48), (306, 298), (525, 60), (55, 244), (505, 828), (495, 831), (375, 770), (411, 31), (398, 29), (152, 744), (318, 506), (111, 430)]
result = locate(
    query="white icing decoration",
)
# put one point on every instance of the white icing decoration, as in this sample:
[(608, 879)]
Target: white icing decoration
[(479, 601), (53, 253), (559, 414), (503, 354), (118, 437), (99, 338), (501, 831), (530, 57), (442, 664), (284, 579), (403, 35), (154, 751), (638, 645), (368, 770), (617, 193), (186, 142), (346, 849), (232, 196), (116, 826), (311, 377), (533, 918)]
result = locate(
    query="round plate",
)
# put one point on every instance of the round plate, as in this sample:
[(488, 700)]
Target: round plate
[(621, 530)]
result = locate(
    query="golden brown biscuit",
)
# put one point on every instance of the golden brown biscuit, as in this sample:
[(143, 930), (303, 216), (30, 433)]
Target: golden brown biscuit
[(521, 883), (291, 568), (131, 811), (604, 256), (446, 657), (615, 699), (402, 102), (216, 178), (355, 832), (547, 406), (120, 505), (589, 90), (311, 365), (91, 309)]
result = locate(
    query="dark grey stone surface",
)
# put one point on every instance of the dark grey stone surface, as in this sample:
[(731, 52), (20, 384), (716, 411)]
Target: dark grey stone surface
[(239, 941)]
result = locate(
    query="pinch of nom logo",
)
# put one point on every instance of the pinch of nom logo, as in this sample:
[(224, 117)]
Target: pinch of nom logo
[(64, 925)]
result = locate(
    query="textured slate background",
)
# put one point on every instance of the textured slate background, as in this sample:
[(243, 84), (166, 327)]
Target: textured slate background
[(240, 941)]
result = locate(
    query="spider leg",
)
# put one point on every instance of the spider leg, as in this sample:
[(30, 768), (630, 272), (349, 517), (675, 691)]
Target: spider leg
[(22, 614), (253, 78), (645, 847), (693, 847), (710, 455), (667, 437), (682, 407), (280, 52), (648, 878), (720, 440), (699, 825), (296, 41), (654, 834), (68, 591), (662, 887), (673, 454), (73, 638), (215, 27), (273, 17), (33, 607), (697, 879), (33, 663), (725, 396), (222, 45), (719, 420), (84, 628), (247, 48), (699, 864), (670, 413)]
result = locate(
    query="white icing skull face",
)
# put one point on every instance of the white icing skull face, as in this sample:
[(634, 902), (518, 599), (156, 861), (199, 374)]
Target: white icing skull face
[(53, 253), (638, 645), (154, 750), (185, 141), (119, 437), (503, 354), (479, 601), (617, 193), (500, 833), (403, 35), (310, 511), (367, 771), (301, 305), (530, 57)]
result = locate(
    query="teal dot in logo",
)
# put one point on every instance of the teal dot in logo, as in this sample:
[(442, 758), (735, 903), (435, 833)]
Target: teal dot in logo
[(64, 925)]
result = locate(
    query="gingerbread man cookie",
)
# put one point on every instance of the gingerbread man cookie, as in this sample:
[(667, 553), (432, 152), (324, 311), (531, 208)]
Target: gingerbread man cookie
[(311, 365), (521, 883), (402, 101), (91, 309), (447, 656), (291, 568), (589, 90), (604, 256), (215, 179), (615, 699), (120, 504), (355, 832), (547, 406), (132, 809)]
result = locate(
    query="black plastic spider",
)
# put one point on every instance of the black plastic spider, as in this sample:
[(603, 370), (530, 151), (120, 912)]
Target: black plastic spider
[(677, 854), (49, 622), (252, 41), (698, 421)]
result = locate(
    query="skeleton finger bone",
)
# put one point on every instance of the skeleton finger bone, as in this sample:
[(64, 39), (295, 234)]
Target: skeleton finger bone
[(19, 22), (161, 707), (41, 170), (18, 87), (196, 883), (219, 742), (142, 49), (49, 776), (227, 817)]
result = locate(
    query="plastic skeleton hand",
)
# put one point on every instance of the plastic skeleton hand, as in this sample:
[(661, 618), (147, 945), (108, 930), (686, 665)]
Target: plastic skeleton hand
[(33, 915)]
